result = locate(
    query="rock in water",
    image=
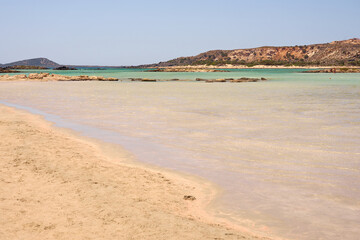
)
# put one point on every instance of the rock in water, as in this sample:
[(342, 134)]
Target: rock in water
[(64, 68)]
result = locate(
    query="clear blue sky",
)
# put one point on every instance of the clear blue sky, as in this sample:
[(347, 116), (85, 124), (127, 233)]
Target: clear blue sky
[(109, 32)]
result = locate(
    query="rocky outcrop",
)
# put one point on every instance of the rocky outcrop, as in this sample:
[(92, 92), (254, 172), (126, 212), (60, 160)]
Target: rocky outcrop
[(56, 77), (345, 52), (64, 68), (7, 70), (53, 77), (143, 80), (335, 70), (174, 69), (239, 80)]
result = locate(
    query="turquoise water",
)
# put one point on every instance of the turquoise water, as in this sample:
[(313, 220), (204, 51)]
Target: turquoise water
[(285, 151), (126, 73)]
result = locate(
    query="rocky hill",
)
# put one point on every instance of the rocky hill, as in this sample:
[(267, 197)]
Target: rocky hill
[(38, 62), (339, 53)]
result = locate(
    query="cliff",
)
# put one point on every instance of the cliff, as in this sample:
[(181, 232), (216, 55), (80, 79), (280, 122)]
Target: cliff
[(340, 53)]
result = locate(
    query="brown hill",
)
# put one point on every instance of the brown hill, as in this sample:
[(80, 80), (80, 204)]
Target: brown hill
[(340, 53), (36, 62)]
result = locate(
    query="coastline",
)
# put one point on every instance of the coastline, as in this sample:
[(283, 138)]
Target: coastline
[(59, 184), (229, 66)]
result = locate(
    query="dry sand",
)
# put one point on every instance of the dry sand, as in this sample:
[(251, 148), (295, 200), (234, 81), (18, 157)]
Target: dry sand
[(55, 185)]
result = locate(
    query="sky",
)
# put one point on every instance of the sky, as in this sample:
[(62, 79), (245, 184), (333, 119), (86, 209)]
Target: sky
[(110, 32)]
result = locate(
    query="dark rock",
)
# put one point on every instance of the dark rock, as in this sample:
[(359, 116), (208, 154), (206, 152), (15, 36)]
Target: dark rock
[(7, 70), (245, 79), (155, 70), (334, 70), (216, 80), (64, 68), (250, 79), (189, 197), (148, 80)]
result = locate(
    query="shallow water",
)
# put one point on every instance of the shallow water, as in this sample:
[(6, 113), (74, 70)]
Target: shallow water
[(286, 151)]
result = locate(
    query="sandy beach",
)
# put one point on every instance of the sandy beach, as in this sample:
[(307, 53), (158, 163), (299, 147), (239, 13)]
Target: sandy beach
[(56, 185)]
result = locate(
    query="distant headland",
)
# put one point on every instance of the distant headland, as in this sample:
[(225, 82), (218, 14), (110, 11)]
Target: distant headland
[(337, 53), (45, 63)]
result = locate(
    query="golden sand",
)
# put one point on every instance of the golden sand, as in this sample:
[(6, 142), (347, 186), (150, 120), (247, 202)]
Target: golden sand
[(54, 185)]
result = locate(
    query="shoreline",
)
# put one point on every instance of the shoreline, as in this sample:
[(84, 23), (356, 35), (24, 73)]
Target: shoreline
[(256, 67), (162, 191)]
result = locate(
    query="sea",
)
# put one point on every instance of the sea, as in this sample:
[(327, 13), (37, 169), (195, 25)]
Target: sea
[(285, 152)]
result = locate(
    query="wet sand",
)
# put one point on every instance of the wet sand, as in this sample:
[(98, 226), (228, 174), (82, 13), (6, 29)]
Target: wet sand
[(56, 185)]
